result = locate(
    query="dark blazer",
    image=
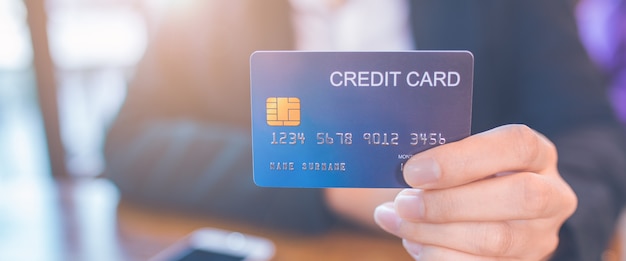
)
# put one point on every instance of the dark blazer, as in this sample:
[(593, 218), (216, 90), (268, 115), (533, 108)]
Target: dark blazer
[(182, 137)]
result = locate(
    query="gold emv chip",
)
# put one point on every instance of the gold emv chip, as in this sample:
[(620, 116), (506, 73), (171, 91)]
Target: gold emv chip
[(283, 111)]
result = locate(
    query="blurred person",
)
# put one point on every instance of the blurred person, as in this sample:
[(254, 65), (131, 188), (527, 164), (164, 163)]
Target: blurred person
[(505, 193)]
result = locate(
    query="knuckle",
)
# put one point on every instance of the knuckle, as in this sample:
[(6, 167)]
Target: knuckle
[(535, 194), (544, 247), (494, 239), (439, 206), (569, 201), (551, 149), (527, 143), (551, 244), (572, 202)]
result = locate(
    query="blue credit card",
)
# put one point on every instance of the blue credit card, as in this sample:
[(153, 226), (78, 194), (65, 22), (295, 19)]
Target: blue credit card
[(352, 119)]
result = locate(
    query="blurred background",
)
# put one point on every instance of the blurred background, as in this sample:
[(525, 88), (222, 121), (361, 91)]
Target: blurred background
[(85, 51), (64, 68)]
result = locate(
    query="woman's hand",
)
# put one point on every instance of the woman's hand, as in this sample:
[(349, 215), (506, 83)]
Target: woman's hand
[(496, 195)]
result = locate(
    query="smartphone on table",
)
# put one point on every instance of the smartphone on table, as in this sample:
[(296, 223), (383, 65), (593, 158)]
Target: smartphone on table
[(211, 244)]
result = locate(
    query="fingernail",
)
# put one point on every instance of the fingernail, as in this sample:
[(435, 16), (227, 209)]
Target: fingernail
[(387, 218), (414, 249), (421, 171), (410, 204)]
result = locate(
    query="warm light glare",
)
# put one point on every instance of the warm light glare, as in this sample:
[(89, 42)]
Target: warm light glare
[(171, 5)]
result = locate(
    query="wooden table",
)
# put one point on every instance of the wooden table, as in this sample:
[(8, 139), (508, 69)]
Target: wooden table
[(144, 232), (86, 220)]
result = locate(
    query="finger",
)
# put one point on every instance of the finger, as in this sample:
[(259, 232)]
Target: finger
[(508, 148), (522, 238), (428, 252), (532, 240), (503, 239), (511, 197)]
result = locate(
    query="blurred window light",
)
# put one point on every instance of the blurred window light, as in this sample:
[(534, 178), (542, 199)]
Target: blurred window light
[(82, 39), (15, 47), (95, 45)]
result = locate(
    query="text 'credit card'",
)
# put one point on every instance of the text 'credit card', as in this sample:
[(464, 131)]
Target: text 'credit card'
[(352, 119)]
